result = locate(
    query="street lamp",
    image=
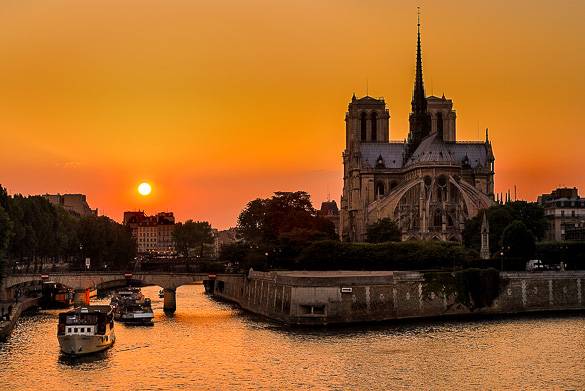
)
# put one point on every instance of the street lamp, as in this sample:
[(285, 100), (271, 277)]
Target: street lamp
[(81, 254)]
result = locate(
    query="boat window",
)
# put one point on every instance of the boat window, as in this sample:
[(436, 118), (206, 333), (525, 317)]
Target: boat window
[(75, 329)]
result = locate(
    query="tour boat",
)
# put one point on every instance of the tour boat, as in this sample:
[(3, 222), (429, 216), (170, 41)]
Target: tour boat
[(129, 294), (85, 330), (130, 306), (135, 313)]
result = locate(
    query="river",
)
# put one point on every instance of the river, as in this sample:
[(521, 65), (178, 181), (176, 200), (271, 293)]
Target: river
[(211, 345)]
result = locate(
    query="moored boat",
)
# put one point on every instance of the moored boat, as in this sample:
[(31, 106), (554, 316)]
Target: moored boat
[(86, 330), (130, 306), (135, 313)]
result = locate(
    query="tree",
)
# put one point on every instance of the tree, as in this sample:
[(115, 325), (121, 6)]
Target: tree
[(384, 230), (5, 233), (518, 241), (276, 229), (191, 235), (105, 242), (251, 221), (499, 217), (267, 221)]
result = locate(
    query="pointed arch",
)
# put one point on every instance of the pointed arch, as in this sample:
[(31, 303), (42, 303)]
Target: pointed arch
[(363, 126), (374, 126)]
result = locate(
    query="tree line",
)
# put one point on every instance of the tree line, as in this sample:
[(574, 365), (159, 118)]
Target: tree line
[(34, 234), (286, 232)]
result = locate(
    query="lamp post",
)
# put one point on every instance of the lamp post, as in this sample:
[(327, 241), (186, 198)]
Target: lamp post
[(81, 255)]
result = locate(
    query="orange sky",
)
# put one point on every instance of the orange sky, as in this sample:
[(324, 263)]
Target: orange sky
[(218, 102)]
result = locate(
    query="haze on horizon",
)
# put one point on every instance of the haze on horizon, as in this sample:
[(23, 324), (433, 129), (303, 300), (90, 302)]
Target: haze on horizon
[(219, 102)]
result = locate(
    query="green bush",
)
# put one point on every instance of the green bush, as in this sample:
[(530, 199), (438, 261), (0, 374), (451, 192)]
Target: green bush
[(419, 255), (473, 288)]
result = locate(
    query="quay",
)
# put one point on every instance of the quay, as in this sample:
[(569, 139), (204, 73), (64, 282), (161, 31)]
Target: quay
[(321, 298), (11, 311)]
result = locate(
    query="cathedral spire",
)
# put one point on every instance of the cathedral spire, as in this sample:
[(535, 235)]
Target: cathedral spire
[(420, 119), (419, 102)]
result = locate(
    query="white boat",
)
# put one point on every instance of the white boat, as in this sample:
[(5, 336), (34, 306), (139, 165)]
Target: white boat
[(86, 330), (130, 306), (135, 313), (129, 294)]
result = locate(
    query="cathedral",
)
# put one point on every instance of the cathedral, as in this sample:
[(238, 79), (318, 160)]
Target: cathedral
[(429, 184)]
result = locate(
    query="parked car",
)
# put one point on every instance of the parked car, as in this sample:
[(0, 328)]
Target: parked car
[(534, 265)]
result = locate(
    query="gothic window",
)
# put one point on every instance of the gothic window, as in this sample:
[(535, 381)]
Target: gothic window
[(438, 219), (363, 125), (440, 124), (374, 126), (379, 189)]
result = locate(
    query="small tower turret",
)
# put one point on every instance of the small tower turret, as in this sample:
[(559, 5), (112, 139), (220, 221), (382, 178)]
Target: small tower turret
[(484, 253)]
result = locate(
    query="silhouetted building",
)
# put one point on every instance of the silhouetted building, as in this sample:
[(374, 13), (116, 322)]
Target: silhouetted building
[(153, 234), (565, 212), (429, 184), (330, 211), (73, 203), (222, 238)]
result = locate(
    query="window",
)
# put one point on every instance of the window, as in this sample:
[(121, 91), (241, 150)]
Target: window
[(379, 189), (440, 124), (75, 329), (312, 309), (374, 126), (438, 218), (363, 125)]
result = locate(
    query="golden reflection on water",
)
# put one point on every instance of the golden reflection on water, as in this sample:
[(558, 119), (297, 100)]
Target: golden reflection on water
[(210, 345)]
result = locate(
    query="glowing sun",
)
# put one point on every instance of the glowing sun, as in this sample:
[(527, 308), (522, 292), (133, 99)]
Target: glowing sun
[(144, 188)]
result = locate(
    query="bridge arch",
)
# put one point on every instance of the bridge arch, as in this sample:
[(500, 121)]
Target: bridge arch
[(87, 280)]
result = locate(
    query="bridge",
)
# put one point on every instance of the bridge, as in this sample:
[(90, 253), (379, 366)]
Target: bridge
[(81, 282)]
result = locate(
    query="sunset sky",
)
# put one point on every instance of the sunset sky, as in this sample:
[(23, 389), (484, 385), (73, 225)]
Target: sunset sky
[(219, 102)]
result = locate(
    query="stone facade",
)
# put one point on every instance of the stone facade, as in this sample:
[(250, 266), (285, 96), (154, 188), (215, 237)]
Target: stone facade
[(153, 234), (430, 184), (73, 203), (565, 212)]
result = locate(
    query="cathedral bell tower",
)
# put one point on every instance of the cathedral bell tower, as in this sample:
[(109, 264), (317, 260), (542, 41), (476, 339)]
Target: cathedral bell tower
[(366, 123), (420, 119)]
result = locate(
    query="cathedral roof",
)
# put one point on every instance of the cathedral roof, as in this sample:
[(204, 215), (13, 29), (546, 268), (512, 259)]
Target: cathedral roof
[(431, 150), (392, 153)]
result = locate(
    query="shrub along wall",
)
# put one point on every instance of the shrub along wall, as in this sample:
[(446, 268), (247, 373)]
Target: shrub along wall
[(333, 255)]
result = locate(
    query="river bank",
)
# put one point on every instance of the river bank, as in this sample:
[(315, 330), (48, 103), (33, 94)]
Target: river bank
[(13, 311)]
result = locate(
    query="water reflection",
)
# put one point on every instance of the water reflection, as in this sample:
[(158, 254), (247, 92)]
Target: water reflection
[(81, 361), (211, 345)]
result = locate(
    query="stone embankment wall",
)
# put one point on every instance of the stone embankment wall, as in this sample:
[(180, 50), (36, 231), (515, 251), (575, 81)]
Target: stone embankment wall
[(14, 311), (344, 297)]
